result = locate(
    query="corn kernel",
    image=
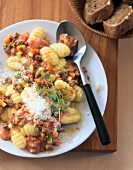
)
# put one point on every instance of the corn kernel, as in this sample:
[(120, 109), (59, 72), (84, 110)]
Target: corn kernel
[(3, 104), (21, 48)]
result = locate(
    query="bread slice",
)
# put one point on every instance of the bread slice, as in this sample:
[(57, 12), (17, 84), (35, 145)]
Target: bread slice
[(129, 2), (120, 22), (96, 11)]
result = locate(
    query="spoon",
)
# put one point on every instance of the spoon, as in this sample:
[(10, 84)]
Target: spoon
[(70, 29)]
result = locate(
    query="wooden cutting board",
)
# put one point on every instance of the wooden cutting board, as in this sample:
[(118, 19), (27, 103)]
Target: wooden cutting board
[(11, 12)]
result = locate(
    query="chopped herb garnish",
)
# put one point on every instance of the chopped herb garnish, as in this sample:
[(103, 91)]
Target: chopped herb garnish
[(65, 88), (59, 103), (10, 44), (59, 93), (38, 88), (36, 129), (46, 75), (63, 110), (17, 73), (50, 95), (63, 69), (49, 140), (54, 108), (52, 78), (41, 91), (66, 102), (55, 97)]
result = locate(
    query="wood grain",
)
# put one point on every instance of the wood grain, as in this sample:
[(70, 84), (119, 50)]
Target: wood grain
[(12, 11)]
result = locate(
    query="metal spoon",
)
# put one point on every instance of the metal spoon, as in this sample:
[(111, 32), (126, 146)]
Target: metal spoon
[(72, 30)]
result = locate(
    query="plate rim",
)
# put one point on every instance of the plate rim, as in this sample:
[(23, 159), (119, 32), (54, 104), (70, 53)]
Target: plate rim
[(92, 130)]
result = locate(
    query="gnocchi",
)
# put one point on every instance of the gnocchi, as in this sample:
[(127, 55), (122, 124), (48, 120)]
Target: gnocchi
[(62, 50), (18, 139), (29, 130), (71, 116), (48, 55), (14, 95), (5, 116), (14, 63), (68, 92), (37, 32), (79, 93), (61, 64)]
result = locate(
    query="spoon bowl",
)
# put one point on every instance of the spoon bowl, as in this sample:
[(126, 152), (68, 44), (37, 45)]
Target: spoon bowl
[(69, 28), (66, 27)]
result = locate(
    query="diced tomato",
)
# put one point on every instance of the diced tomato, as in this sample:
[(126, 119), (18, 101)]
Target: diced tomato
[(30, 43), (5, 134), (57, 142), (24, 37), (71, 69), (55, 134), (51, 124), (20, 112), (39, 43), (34, 44), (37, 122), (46, 42)]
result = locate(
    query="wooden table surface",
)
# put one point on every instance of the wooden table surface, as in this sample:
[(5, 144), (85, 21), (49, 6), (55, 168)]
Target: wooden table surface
[(12, 11)]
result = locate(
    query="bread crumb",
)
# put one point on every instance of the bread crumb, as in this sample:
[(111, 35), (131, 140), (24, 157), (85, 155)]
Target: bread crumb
[(97, 87)]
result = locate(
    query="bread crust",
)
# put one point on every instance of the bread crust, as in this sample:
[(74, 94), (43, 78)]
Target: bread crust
[(116, 31), (100, 15)]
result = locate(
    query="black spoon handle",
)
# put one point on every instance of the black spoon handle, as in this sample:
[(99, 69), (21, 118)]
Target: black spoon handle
[(101, 128)]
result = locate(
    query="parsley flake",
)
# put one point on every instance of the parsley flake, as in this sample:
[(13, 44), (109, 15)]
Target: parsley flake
[(17, 73), (46, 75)]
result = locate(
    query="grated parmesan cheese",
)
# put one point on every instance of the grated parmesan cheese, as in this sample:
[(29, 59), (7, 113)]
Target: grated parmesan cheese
[(39, 107), (64, 137)]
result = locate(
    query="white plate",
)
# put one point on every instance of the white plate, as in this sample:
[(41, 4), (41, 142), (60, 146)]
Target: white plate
[(77, 134)]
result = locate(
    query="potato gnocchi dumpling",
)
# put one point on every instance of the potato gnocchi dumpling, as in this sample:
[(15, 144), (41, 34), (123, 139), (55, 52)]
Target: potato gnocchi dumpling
[(14, 95), (70, 116), (79, 93), (62, 63), (14, 63), (62, 50), (68, 92), (7, 113), (2, 90), (18, 139), (37, 33), (27, 93), (48, 55), (29, 130)]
